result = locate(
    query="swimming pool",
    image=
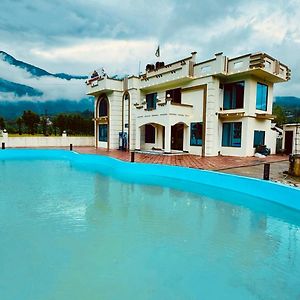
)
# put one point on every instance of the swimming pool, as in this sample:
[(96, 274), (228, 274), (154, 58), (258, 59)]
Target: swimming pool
[(88, 227)]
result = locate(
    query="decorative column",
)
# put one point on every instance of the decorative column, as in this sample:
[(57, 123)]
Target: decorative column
[(138, 138), (168, 139)]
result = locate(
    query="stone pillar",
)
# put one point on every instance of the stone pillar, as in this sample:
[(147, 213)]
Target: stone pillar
[(138, 138), (168, 139), (5, 135)]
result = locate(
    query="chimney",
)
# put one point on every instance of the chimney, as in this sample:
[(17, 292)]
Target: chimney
[(193, 56)]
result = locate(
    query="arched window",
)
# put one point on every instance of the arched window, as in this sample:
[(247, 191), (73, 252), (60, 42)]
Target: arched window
[(103, 107)]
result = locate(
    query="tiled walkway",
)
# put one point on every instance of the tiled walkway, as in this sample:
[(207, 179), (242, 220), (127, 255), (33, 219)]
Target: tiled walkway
[(186, 160)]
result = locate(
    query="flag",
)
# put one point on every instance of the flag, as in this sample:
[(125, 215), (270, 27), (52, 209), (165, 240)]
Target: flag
[(157, 53)]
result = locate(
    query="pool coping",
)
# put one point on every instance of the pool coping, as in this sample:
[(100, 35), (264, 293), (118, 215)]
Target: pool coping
[(147, 173)]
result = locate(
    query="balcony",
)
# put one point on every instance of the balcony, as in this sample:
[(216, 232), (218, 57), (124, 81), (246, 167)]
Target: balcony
[(99, 84), (175, 73), (231, 114), (165, 112), (261, 65)]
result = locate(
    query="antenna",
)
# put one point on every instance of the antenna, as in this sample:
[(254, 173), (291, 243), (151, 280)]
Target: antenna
[(139, 68)]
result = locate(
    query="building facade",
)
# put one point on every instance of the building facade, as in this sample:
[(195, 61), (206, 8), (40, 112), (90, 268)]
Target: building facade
[(291, 138), (219, 106)]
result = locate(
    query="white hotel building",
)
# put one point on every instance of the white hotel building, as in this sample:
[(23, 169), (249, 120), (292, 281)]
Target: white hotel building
[(219, 106)]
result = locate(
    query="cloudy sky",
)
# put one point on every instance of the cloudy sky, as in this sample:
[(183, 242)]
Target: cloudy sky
[(77, 36)]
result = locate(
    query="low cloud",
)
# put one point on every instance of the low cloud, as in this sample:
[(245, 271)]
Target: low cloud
[(53, 88), (79, 36)]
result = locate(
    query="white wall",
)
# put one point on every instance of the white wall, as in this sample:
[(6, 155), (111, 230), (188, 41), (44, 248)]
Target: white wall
[(249, 125), (293, 128), (115, 118), (195, 98), (212, 134), (15, 142)]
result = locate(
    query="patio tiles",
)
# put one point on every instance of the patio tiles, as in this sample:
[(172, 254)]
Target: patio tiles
[(186, 160)]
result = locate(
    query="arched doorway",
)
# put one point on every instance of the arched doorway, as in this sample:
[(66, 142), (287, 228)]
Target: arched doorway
[(103, 122), (177, 131), (150, 136)]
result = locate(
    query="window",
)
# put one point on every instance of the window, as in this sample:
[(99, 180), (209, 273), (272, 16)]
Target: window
[(234, 95), (149, 134), (196, 134), (175, 95), (259, 138), (103, 132), (151, 101), (261, 96), (232, 133), (103, 108)]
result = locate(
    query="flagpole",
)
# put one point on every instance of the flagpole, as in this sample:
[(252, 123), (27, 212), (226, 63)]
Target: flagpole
[(157, 52)]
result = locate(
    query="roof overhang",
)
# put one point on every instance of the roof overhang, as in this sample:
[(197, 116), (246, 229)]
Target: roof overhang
[(260, 73)]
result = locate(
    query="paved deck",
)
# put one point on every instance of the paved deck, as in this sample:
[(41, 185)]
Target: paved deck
[(186, 160), (244, 166)]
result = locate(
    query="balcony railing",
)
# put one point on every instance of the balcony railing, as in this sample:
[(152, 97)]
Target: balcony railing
[(261, 64), (104, 84), (169, 74), (163, 110)]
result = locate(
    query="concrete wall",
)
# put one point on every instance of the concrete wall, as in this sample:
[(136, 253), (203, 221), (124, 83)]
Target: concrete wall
[(15, 142)]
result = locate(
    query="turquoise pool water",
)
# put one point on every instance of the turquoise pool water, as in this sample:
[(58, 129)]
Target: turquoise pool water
[(69, 232)]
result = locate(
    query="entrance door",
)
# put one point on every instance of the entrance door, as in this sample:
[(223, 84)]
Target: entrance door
[(103, 133), (177, 137), (288, 142)]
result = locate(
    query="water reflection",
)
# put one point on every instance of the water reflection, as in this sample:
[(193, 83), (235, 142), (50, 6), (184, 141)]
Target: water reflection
[(116, 240)]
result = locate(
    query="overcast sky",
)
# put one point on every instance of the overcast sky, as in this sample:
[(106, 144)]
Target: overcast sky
[(77, 36)]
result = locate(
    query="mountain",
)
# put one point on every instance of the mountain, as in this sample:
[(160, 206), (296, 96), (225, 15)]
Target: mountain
[(287, 101), (24, 86), (10, 110), (68, 76), (35, 71), (18, 89), (290, 108)]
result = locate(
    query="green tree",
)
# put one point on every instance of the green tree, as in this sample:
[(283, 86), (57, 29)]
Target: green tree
[(19, 122), (2, 123), (31, 121), (280, 118), (44, 125), (60, 122), (74, 124)]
